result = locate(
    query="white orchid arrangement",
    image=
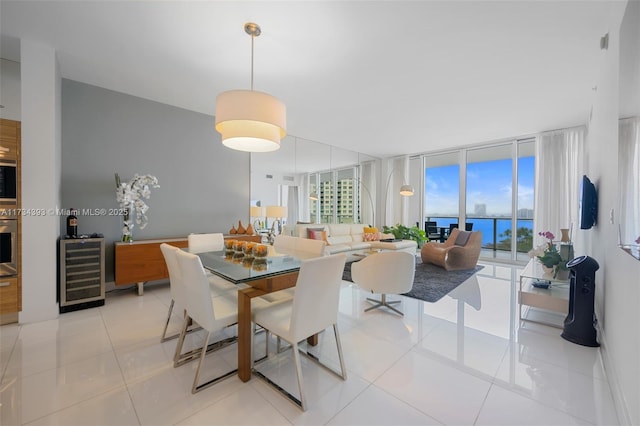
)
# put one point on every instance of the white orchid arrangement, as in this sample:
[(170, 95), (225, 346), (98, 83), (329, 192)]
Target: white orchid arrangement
[(131, 196)]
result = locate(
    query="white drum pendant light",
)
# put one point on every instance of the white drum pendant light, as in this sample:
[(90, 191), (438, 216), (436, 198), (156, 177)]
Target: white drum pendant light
[(249, 120)]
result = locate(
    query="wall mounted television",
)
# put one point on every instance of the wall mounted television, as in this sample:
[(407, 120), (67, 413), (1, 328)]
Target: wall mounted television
[(588, 204)]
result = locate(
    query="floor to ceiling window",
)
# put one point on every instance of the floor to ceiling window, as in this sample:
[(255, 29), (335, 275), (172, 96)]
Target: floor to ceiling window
[(489, 196), (335, 198), (488, 189), (442, 189)]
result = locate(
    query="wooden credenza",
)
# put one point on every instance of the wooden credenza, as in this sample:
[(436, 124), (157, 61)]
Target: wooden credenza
[(142, 261)]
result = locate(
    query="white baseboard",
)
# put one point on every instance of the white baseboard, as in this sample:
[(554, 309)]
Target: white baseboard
[(620, 402)]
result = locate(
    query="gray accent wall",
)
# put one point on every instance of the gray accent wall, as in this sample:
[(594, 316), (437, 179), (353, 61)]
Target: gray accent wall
[(204, 186)]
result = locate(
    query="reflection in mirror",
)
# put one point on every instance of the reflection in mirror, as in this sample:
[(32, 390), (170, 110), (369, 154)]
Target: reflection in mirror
[(317, 183), (629, 185), (629, 132)]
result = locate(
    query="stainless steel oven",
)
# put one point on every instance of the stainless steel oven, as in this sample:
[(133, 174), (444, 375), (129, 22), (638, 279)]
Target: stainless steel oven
[(8, 182), (8, 247)]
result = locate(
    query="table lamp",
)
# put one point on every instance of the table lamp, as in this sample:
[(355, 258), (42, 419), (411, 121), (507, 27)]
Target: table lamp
[(276, 213), (258, 213)]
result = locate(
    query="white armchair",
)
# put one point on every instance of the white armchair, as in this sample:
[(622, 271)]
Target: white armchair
[(390, 272)]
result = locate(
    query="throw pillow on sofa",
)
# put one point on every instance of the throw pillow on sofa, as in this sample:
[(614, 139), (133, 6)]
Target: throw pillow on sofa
[(371, 236), (317, 234)]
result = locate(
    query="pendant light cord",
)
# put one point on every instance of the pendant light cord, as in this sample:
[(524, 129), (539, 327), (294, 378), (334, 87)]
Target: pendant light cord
[(252, 37)]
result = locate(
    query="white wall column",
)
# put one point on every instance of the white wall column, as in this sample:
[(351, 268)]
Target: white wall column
[(41, 175)]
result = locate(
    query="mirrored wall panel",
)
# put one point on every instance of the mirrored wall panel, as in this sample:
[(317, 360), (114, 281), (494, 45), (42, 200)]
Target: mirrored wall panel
[(315, 182)]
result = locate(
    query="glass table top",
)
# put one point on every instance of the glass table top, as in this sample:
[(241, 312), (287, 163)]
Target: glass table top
[(534, 271), (241, 273)]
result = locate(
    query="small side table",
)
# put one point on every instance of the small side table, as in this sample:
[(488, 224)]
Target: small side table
[(555, 298)]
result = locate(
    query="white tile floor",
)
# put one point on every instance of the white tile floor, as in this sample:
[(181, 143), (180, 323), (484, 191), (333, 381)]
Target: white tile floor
[(463, 360)]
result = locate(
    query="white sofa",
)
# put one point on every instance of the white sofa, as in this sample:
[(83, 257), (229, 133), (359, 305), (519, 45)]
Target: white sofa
[(343, 238)]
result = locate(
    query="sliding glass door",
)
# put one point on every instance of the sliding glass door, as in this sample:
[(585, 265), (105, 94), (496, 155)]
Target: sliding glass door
[(442, 189), (489, 196), (488, 189)]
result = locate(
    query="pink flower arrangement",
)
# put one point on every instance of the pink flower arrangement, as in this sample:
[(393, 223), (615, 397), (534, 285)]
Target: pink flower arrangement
[(549, 236), (547, 254)]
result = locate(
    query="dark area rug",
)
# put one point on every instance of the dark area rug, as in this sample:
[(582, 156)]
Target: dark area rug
[(431, 282)]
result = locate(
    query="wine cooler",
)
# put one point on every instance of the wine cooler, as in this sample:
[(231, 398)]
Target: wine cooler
[(81, 273)]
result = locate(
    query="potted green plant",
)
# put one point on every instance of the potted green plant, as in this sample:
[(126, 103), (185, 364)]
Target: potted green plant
[(405, 233)]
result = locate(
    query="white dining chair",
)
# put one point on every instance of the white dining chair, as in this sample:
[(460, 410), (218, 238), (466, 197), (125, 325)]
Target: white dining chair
[(178, 298), (305, 247), (211, 313), (175, 285), (313, 308), (390, 272), (200, 243), (302, 248)]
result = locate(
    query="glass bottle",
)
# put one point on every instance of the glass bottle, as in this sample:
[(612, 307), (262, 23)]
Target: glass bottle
[(72, 224)]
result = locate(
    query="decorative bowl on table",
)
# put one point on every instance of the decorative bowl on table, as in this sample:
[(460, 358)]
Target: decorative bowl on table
[(260, 252), (238, 251), (248, 254), (228, 249)]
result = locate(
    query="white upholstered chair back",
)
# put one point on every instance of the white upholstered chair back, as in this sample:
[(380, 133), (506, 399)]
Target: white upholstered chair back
[(284, 243), (295, 245), (199, 243), (390, 272), (315, 304), (198, 294), (175, 278)]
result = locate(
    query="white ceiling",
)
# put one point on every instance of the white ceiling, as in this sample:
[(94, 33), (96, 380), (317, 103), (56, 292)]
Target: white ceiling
[(384, 78)]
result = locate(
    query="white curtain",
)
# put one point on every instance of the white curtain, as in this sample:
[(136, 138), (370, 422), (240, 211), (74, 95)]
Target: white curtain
[(560, 164), (629, 169)]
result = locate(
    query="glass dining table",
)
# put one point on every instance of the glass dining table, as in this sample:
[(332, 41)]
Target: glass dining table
[(272, 274)]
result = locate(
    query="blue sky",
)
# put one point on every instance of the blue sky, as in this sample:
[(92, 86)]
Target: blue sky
[(488, 183)]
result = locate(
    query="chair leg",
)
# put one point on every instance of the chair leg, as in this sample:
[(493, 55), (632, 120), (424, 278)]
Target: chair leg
[(279, 347), (164, 337), (203, 352), (340, 357), (383, 302), (185, 325), (296, 360), (253, 345), (180, 358), (196, 387), (302, 402)]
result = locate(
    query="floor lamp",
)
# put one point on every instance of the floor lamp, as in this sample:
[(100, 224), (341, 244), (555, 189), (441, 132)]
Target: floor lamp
[(405, 191), (373, 209)]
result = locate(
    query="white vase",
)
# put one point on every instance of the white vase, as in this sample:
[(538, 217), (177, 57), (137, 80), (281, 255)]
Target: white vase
[(548, 271)]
